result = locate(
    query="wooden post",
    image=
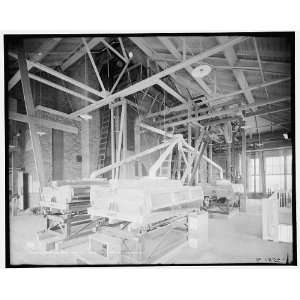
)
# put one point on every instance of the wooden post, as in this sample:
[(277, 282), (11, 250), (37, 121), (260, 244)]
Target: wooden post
[(85, 148), (120, 139), (124, 111), (210, 176), (36, 146), (243, 203), (112, 135), (262, 172), (137, 145), (189, 142), (229, 161)]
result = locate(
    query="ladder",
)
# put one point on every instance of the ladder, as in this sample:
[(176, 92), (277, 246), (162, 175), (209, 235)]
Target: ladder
[(165, 168), (104, 137)]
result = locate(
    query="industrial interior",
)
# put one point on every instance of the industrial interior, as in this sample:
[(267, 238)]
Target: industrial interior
[(150, 149)]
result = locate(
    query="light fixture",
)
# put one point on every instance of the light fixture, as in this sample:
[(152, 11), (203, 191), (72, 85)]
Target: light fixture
[(40, 133), (86, 117), (12, 146), (286, 136), (201, 71), (130, 54)]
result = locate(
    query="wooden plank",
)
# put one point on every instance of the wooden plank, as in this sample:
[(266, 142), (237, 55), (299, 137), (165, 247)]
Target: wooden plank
[(57, 154), (40, 54), (76, 56), (85, 149), (243, 201), (61, 88), (112, 135), (232, 111), (163, 64), (153, 79), (219, 98), (129, 159), (154, 168), (124, 108), (239, 75), (36, 146), (156, 130), (169, 45), (171, 91), (123, 48), (113, 50), (56, 112), (59, 75), (93, 63), (120, 139), (42, 122)]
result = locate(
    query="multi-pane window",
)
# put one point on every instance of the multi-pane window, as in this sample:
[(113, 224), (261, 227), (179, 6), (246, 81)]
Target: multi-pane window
[(278, 172), (254, 178), (289, 172)]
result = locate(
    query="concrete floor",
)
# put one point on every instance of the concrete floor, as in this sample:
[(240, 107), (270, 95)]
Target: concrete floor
[(234, 240)]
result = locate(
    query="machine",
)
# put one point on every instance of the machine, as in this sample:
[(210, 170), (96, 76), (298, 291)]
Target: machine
[(223, 197), (65, 206), (144, 218)]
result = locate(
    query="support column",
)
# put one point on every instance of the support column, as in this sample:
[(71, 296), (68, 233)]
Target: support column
[(13, 104), (112, 135), (36, 145), (228, 175), (210, 170), (262, 172), (85, 149), (243, 202), (137, 146), (189, 142), (124, 110)]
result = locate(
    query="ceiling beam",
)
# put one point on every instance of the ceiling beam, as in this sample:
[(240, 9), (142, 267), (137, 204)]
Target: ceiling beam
[(56, 112), (31, 64), (180, 80), (172, 49), (238, 74), (171, 92), (28, 99), (93, 63), (232, 111), (215, 99), (107, 45), (78, 54), (267, 112), (154, 78), (42, 122), (41, 52), (61, 88)]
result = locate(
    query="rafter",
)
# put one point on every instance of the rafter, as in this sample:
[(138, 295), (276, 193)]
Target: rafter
[(61, 88), (81, 52), (93, 64), (40, 54), (232, 111), (59, 75), (239, 75), (42, 122), (154, 78), (169, 45)]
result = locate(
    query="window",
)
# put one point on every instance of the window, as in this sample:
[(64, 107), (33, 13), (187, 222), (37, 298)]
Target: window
[(278, 172), (289, 172), (254, 176)]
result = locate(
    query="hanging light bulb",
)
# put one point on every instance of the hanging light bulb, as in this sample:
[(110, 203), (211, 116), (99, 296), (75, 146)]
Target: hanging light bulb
[(40, 133), (86, 117), (201, 71)]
